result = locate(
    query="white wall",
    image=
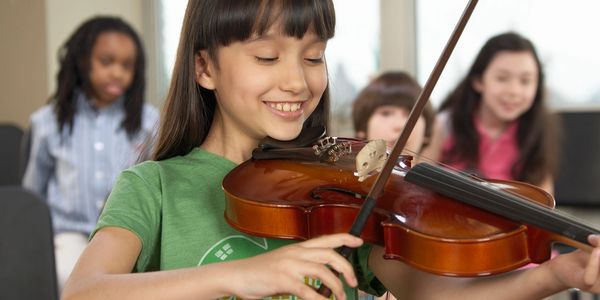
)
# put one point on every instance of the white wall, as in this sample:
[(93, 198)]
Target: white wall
[(32, 32), (398, 36), (23, 84), (63, 16)]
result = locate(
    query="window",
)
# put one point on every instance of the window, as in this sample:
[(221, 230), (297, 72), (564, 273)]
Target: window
[(563, 33)]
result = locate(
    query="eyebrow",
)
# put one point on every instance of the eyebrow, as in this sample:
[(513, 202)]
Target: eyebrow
[(501, 70), (271, 36)]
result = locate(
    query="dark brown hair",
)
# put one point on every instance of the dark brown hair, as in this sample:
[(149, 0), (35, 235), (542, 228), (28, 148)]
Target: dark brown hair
[(390, 88), (74, 59), (210, 24), (538, 132)]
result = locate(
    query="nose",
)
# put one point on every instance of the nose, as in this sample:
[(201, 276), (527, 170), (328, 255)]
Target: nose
[(293, 77), (398, 125), (117, 72), (514, 87)]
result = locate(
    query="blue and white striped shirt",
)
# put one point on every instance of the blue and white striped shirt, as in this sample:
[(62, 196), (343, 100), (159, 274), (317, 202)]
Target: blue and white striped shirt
[(76, 175)]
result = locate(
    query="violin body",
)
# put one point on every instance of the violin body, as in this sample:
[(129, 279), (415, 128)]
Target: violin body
[(302, 199)]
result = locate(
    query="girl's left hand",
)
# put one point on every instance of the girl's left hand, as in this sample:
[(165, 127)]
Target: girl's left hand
[(579, 269)]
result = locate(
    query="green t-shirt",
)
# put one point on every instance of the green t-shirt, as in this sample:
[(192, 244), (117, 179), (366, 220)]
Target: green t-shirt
[(176, 208)]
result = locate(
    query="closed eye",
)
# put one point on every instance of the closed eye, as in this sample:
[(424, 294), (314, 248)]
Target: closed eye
[(315, 60), (266, 59)]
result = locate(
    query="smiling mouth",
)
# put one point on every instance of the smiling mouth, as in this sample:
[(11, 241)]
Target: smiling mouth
[(285, 106), (509, 107), (114, 89)]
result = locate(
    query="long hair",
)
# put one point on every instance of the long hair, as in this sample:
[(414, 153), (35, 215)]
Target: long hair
[(74, 58), (210, 24), (391, 88), (538, 131)]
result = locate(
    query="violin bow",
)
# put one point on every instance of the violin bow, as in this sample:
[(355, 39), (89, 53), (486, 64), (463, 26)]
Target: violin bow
[(377, 187), (413, 117)]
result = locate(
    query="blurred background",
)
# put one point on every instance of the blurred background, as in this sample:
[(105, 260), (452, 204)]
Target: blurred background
[(371, 37)]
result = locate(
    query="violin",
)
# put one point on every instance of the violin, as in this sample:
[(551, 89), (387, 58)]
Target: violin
[(433, 219), (304, 192)]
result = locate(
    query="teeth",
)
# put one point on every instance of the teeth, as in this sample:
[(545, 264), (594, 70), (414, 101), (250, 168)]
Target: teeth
[(287, 107)]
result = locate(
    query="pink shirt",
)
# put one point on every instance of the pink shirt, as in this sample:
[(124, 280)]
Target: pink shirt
[(496, 155)]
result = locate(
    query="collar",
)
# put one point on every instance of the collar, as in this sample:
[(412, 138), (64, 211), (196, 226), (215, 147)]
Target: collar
[(509, 131), (86, 104)]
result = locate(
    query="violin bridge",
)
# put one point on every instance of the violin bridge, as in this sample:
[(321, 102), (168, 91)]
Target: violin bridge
[(371, 158)]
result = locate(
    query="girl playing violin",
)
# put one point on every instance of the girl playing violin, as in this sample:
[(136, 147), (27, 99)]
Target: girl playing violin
[(496, 122), (246, 70)]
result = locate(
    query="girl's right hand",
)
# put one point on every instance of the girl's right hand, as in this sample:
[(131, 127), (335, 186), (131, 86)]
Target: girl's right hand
[(282, 271)]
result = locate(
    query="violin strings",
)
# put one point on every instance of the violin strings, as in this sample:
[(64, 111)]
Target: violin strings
[(490, 198)]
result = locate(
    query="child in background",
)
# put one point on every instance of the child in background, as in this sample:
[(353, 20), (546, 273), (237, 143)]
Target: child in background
[(246, 70), (94, 127), (381, 109), (496, 123)]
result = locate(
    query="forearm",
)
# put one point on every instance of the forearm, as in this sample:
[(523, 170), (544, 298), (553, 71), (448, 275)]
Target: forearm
[(406, 282), (206, 282), (533, 283)]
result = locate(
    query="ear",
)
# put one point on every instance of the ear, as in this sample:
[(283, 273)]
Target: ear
[(477, 85), (204, 70), (361, 134)]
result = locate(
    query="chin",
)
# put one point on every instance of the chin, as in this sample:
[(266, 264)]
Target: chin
[(285, 135), (510, 117)]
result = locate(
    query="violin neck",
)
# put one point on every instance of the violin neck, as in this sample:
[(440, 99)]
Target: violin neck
[(489, 197)]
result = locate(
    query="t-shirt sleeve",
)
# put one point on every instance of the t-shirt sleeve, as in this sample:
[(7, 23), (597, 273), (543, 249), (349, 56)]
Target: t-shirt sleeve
[(41, 163), (367, 281), (135, 204)]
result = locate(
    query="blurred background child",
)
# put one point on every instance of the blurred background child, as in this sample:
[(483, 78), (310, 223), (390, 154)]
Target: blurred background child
[(496, 123), (95, 125), (381, 109)]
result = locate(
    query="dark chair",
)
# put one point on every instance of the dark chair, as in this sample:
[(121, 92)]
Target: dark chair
[(577, 183), (10, 154), (25, 149), (27, 269)]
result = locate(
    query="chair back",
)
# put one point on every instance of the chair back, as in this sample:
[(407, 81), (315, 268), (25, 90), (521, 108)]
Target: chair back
[(27, 269), (10, 154), (577, 180), (25, 149)]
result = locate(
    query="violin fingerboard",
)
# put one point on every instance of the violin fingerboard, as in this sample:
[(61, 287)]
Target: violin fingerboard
[(486, 196)]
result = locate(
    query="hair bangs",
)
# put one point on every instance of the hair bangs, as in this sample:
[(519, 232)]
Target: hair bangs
[(300, 16), (240, 20)]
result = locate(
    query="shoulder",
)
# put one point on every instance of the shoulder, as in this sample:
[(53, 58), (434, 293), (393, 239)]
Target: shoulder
[(43, 114), (150, 116), (146, 170), (44, 119), (443, 118), (443, 124), (440, 133), (197, 163), (149, 112)]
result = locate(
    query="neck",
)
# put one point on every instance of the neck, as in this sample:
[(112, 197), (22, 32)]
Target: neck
[(228, 140), (100, 104), (493, 126)]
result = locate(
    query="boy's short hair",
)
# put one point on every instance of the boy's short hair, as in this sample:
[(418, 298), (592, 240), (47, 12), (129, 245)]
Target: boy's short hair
[(390, 88)]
